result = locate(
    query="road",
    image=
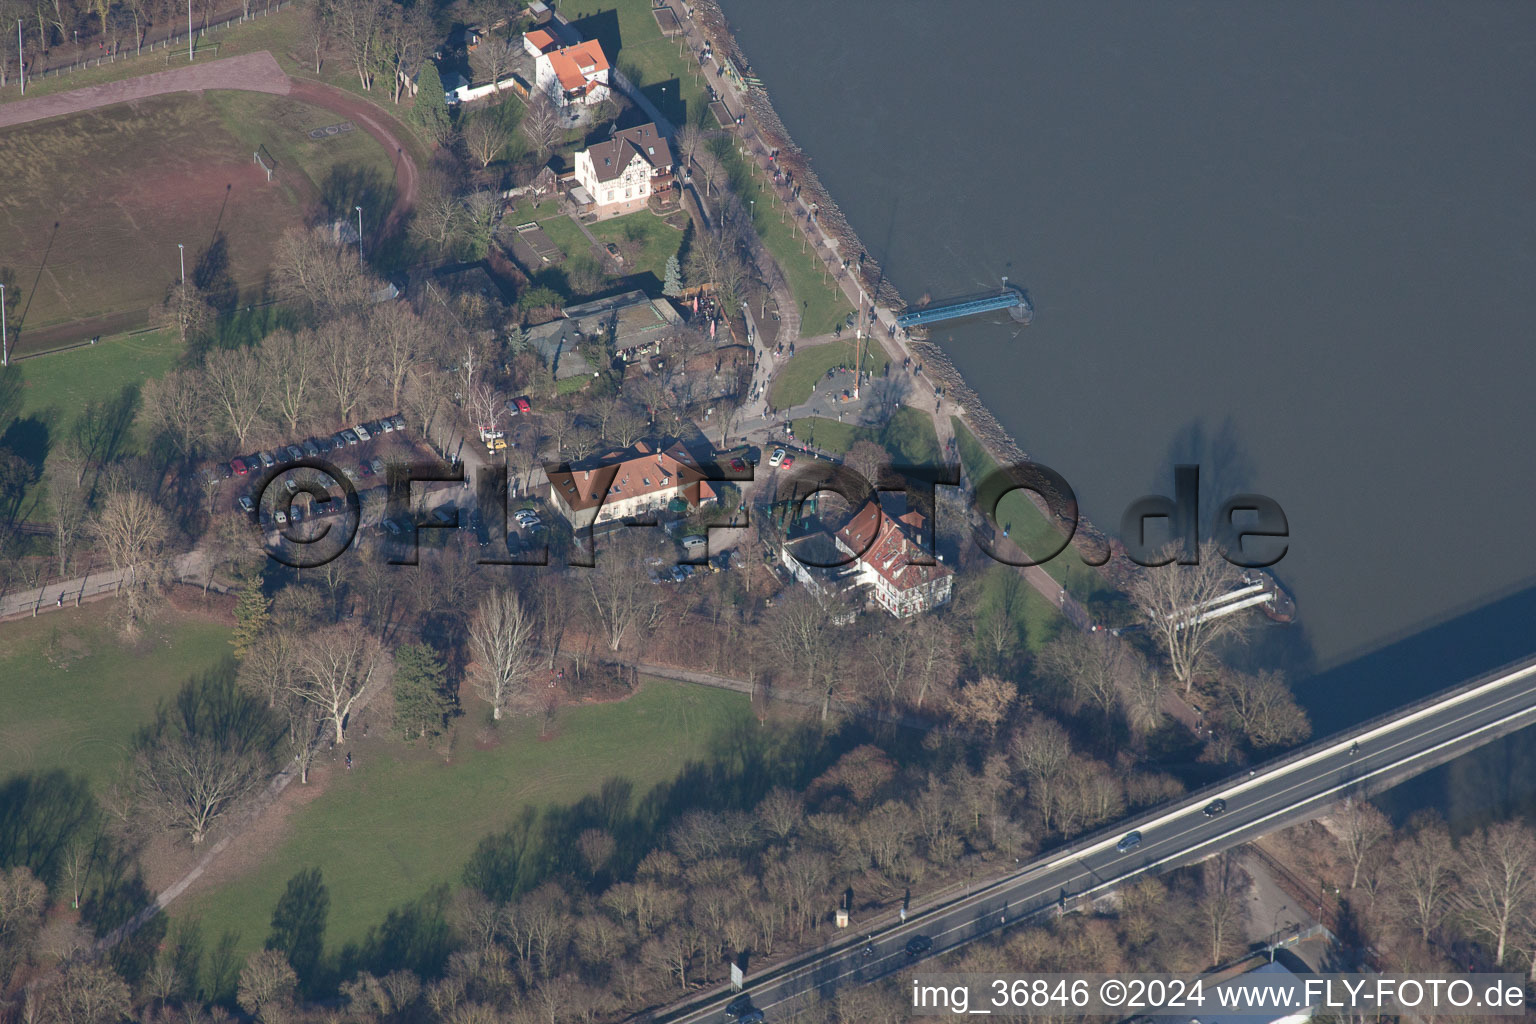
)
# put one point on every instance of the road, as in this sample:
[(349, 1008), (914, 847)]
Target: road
[(1293, 789)]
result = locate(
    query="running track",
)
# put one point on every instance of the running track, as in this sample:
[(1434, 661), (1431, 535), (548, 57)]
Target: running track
[(253, 72)]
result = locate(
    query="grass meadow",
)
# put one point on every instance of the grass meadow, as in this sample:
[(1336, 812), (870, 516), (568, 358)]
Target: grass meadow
[(405, 819), (795, 380), (75, 692)]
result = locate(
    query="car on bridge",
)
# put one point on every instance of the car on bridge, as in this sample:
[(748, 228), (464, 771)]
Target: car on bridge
[(1215, 807), (736, 1007), (1129, 843), (917, 945)]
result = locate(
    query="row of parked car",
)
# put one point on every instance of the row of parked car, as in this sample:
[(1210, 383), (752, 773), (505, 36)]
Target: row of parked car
[(315, 447)]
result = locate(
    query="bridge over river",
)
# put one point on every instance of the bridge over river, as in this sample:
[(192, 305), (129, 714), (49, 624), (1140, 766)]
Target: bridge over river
[(1365, 759)]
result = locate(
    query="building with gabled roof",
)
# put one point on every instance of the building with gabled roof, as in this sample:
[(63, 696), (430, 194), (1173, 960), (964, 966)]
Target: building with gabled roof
[(619, 485), (889, 559), (621, 172), (571, 75)]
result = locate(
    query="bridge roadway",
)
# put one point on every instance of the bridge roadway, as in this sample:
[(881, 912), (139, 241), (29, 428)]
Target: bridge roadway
[(1294, 788)]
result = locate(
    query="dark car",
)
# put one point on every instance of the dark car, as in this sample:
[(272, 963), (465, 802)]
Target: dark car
[(753, 1016), (917, 945), (338, 441), (311, 449), (1215, 807), (738, 1006), (295, 453), (1130, 842)]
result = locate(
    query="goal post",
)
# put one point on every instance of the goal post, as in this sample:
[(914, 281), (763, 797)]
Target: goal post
[(265, 161)]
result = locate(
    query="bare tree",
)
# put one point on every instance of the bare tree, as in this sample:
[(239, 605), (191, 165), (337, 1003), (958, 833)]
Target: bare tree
[(356, 25), (187, 309), (1362, 829), (69, 501), (288, 360), (1498, 882), (402, 339), (403, 36), (238, 386), (1221, 904), (345, 364), (313, 267), (1043, 753), (1262, 707), (1094, 667), (266, 987), (1169, 595), (804, 633), (1423, 878), (542, 126), (493, 58), (175, 407), (621, 594), (132, 530), (501, 639), (335, 666), (485, 137), (203, 753)]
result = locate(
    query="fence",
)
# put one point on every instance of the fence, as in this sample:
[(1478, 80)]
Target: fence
[(154, 45)]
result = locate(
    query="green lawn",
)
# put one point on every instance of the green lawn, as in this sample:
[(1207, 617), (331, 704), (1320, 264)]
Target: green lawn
[(75, 693), (643, 239), (64, 382), (1027, 527), (670, 79), (794, 381), (822, 304), (909, 436), (395, 826)]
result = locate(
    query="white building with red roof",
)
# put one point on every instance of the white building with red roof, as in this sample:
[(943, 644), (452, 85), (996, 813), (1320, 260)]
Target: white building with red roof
[(885, 554), (634, 481), (572, 76)]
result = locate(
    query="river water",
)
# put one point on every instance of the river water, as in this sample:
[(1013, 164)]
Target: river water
[(1292, 242)]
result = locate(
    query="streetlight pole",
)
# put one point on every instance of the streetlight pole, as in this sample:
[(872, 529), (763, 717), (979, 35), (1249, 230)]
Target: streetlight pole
[(5, 341), (359, 210), (21, 57), (181, 254), (189, 33)]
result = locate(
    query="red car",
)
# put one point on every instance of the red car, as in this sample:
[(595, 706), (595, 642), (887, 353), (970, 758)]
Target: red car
[(239, 466), (789, 460), (523, 406), (738, 465)]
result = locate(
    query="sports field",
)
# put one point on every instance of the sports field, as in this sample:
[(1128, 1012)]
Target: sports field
[(75, 693), (96, 203), (403, 820)]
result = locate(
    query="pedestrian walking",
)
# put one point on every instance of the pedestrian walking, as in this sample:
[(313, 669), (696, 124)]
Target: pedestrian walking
[(349, 760), (61, 599)]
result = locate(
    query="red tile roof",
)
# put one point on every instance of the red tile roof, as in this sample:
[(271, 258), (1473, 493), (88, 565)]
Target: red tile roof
[(629, 473), (577, 65), (543, 41), (888, 549)]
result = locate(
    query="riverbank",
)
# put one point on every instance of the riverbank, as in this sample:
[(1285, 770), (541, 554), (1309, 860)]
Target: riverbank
[(764, 133)]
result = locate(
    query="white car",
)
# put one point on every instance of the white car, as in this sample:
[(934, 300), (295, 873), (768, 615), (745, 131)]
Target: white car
[(361, 432), (777, 457)]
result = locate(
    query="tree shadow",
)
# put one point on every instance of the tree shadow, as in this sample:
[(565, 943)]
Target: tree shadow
[(211, 274)]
